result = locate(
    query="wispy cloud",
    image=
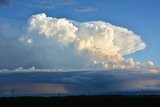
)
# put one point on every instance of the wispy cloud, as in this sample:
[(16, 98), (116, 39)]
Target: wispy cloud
[(67, 2), (63, 2), (84, 9), (50, 4), (40, 6), (4, 3)]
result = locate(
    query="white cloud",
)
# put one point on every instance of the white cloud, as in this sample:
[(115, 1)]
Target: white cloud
[(27, 40), (149, 64), (66, 44), (101, 41), (61, 29)]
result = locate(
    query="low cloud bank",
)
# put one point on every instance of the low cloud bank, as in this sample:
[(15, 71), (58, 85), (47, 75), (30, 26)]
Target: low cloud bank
[(82, 82)]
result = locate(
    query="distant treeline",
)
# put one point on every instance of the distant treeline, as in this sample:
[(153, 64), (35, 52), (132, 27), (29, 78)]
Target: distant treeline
[(82, 101)]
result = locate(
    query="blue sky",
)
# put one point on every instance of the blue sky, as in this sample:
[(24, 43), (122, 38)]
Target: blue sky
[(140, 16)]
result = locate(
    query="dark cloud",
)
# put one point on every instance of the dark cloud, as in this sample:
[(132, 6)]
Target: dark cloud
[(4, 3), (84, 9), (85, 81)]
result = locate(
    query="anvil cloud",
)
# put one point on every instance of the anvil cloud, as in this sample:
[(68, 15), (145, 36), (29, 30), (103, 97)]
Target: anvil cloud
[(103, 42)]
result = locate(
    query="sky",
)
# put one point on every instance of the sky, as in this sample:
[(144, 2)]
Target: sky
[(79, 47), (21, 48)]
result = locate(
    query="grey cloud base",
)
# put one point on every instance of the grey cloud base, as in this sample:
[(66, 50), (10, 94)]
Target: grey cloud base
[(80, 82)]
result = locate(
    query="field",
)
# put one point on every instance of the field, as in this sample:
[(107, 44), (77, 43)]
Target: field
[(81, 101)]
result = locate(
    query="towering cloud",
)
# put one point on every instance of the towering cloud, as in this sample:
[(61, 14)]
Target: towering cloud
[(62, 30), (103, 42)]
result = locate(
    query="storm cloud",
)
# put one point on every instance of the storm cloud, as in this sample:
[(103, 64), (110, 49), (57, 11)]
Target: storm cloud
[(51, 43), (101, 41), (80, 82)]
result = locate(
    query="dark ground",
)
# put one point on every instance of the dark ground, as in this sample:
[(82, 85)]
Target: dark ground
[(82, 101)]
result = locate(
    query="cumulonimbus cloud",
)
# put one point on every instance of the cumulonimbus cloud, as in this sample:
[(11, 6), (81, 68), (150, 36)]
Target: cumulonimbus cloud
[(103, 42)]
